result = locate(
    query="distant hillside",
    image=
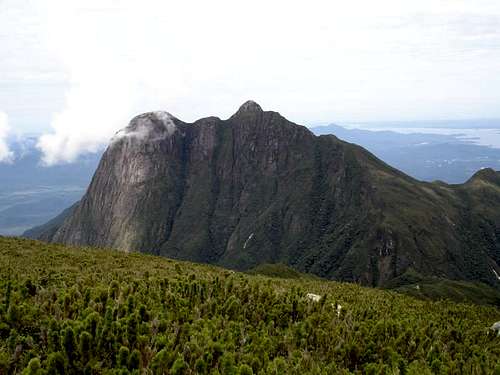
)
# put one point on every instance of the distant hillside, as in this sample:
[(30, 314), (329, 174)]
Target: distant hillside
[(47, 230), (424, 156), (257, 188), (74, 310), (278, 270)]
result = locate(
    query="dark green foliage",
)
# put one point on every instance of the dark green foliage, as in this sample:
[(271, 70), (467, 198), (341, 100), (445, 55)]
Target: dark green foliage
[(160, 362), (55, 364), (103, 312), (278, 270), (85, 345), (179, 367), (123, 354), (460, 291), (200, 366), (134, 362), (69, 344), (245, 370), (34, 367)]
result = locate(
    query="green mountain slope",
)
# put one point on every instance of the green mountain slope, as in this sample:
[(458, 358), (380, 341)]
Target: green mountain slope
[(74, 310), (257, 188)]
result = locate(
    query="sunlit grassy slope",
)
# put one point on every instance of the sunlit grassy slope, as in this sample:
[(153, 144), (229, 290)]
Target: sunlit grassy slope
[(65, 310)]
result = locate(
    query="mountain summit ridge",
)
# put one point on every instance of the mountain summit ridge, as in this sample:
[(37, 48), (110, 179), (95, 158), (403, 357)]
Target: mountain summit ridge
[(250, 106), (257, 188)]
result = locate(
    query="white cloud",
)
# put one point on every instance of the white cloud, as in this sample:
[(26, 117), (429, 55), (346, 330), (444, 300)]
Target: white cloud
[(6, 155), (331, 60)]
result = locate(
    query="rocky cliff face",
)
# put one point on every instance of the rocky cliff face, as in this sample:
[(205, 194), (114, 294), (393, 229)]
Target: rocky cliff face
[(256, 188)]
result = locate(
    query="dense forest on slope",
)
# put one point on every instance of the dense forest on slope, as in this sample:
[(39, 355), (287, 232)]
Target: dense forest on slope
[(68, 310)]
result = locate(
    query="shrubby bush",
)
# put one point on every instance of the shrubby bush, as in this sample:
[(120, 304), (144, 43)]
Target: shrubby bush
[(100, 312)]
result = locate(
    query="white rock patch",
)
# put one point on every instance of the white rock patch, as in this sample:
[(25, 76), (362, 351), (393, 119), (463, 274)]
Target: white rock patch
[(496, 274), (246, 242), (313, 297), (496, 328), (339, 309)]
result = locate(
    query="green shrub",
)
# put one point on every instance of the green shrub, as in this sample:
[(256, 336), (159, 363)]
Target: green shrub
[(65, 311)]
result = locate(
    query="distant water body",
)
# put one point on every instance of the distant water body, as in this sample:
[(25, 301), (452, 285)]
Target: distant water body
[(480, 136)]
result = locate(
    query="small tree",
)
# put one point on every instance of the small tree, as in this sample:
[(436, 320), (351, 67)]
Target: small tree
[(85, 345), (69, 344), (179, 367), (34, 367), (200, 366), (123, 355), (55, 364), (245, 370), (134, 362)]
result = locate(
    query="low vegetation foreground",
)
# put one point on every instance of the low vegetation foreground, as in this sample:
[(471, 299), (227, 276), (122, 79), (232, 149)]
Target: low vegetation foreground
[(65, 310)]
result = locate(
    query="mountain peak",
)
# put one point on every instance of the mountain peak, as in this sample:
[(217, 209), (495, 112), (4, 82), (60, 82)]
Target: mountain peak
[(261, 189), (250, 107), (148, 126), (162, 118)]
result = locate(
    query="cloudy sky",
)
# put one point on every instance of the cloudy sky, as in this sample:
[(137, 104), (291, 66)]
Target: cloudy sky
[(77, 71)]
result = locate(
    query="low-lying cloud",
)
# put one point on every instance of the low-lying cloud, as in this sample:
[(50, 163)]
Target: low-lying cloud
[(6, 155), (121, 60)]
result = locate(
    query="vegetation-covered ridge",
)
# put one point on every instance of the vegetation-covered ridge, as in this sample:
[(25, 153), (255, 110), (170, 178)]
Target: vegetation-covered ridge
[(65, 310)]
